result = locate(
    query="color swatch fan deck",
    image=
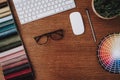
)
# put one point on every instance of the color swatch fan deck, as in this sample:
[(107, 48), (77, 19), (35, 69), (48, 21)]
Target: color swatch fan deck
[(13, 58), (109, 53)]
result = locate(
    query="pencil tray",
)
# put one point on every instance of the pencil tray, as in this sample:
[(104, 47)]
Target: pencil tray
[(13, 55)]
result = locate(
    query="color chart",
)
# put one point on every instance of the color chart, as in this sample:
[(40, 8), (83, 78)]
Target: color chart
[(109, 53), (13, 57)]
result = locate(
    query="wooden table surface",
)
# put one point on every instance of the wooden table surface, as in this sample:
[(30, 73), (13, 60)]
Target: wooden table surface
[(73, 57)]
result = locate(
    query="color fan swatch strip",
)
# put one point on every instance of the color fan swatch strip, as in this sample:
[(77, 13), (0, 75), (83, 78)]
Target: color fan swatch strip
[(109, 53), (13, 57)]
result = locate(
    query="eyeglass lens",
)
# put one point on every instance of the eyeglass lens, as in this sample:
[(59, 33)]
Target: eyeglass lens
[(41, 40), (56, 35)]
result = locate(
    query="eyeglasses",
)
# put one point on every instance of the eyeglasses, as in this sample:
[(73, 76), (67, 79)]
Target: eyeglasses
[(55, 35)]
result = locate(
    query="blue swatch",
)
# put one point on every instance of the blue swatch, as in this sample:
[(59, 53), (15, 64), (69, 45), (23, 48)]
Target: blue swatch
[(6, 19), (6, 28), (6, 23), (8, 33)]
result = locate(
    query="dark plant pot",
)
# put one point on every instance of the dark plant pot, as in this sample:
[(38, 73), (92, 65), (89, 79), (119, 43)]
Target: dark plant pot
[(93, 7)]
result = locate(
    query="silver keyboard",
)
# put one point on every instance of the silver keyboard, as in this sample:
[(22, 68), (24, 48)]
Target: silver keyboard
[(31, 10)]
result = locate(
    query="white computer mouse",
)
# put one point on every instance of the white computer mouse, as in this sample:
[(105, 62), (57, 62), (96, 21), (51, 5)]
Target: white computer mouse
[(77, 23)]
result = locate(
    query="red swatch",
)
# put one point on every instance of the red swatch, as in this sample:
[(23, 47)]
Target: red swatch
[(26, 71), (15, 64)]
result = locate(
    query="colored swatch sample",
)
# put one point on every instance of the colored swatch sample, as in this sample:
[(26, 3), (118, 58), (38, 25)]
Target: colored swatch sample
[(13, 57), (109, 53)]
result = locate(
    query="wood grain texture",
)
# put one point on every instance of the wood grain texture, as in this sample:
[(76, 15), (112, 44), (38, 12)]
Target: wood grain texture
[(1, 74), (2, 1), (73, 57)]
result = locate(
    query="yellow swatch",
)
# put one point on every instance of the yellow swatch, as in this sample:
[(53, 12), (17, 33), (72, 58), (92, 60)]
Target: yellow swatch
[(5, 14), (3, 10)]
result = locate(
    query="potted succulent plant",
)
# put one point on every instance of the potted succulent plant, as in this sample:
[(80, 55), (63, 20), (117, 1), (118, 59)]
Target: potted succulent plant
[(106, 9)]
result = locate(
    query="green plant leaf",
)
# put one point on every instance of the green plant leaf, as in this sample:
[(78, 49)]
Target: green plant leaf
[(107, 8)]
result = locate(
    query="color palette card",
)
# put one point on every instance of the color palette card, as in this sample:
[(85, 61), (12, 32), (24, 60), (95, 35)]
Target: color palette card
[(109, 53), (13, 57)]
